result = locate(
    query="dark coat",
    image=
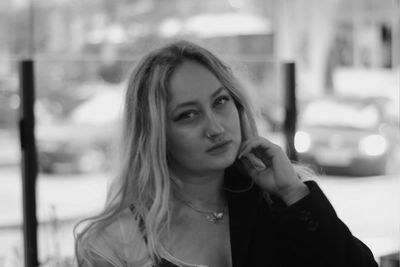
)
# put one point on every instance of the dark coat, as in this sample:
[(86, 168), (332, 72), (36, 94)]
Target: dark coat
[(266, 232)]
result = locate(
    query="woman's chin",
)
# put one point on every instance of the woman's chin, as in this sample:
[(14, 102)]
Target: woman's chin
[(223, 162)]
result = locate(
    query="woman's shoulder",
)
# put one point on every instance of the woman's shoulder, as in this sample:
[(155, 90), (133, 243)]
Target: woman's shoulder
[(121, 240), (124, 230), (119, 226)]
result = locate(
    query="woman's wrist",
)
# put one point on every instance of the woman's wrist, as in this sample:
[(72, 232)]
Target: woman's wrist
[(294, 193)]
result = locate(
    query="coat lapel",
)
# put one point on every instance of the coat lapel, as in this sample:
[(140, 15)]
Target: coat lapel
[(243, 208)]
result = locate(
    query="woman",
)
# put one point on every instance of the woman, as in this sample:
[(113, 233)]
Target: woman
[(199, 187)]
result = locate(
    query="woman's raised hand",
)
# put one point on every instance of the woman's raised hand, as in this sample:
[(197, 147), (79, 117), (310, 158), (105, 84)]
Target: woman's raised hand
[(270, 168)]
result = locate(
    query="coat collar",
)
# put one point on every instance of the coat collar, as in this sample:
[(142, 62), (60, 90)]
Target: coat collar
[(244, 198)]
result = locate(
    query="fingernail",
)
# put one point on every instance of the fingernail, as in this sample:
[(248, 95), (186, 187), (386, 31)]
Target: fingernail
[(259, 167)]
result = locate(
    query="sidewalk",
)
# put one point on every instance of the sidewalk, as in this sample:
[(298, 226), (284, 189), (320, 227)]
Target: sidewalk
[(63, 197), (10, 153), (67, 198)]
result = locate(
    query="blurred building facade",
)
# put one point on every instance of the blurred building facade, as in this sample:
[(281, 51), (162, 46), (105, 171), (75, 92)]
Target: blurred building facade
[(326, 36), (320, 36), (81, 47)]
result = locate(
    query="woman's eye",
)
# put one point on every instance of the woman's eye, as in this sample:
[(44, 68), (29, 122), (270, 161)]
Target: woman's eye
[(220, 101), (186, 115)]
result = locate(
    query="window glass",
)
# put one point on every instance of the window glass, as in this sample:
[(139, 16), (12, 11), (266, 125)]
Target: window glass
[(77, 133), (11, 238), (81, 70), (84, 50), (341, 114)]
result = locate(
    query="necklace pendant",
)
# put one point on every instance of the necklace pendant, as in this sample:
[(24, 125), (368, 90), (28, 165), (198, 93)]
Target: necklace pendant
[(218, 215), (211, 218), (215, 217)]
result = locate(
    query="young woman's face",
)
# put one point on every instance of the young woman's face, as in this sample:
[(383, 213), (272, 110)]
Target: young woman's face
[(203, 126)]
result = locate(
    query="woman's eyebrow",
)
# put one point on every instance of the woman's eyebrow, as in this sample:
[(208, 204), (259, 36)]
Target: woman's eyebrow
[(218, 91), (184, 104), (192, 103)]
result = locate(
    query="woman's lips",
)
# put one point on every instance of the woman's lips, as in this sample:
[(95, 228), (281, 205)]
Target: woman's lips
[(219, 147)]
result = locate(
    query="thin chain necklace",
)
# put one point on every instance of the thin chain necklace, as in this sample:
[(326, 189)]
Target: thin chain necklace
[(211, 216)]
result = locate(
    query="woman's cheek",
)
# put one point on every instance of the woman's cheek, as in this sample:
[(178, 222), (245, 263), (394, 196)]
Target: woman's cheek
[(182, 141)]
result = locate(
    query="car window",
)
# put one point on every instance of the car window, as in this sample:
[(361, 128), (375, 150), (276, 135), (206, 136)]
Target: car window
[(340, 114), (103, 108)]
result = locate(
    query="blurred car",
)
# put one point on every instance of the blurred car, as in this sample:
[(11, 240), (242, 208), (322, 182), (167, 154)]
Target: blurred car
[(345, 135), (86, 140)]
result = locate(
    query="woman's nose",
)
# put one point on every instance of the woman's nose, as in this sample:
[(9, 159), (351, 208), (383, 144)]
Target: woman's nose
[(214, 127)]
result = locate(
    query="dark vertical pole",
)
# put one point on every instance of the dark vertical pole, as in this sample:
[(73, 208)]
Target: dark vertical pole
[(289, 75), (29, 164)]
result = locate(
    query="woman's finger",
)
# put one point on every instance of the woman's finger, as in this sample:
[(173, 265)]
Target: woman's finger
[(251, 144), (261, 148), (255, 162), (247, 164)]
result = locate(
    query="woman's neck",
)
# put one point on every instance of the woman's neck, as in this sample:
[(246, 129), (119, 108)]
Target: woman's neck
[(202, 190)]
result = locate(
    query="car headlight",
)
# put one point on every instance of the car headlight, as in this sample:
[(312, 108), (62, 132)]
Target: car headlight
[(302, 141), (373, 145)]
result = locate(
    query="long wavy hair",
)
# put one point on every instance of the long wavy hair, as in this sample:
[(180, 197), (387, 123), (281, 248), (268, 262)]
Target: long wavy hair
[(144, 178)]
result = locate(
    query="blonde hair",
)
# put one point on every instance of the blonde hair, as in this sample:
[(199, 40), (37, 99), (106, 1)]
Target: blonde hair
[(144, 178)]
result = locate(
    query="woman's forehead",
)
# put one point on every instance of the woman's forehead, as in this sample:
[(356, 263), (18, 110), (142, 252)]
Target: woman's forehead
[(190, 81)]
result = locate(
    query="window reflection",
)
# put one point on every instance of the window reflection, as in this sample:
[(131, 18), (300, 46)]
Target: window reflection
[(84, 50)]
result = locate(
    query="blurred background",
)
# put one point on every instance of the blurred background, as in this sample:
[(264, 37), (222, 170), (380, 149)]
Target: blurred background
[(347, 59)]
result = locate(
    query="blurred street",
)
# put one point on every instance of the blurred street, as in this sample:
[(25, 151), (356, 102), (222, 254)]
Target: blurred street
[(333, 65), (370, 206), (62, 200)]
